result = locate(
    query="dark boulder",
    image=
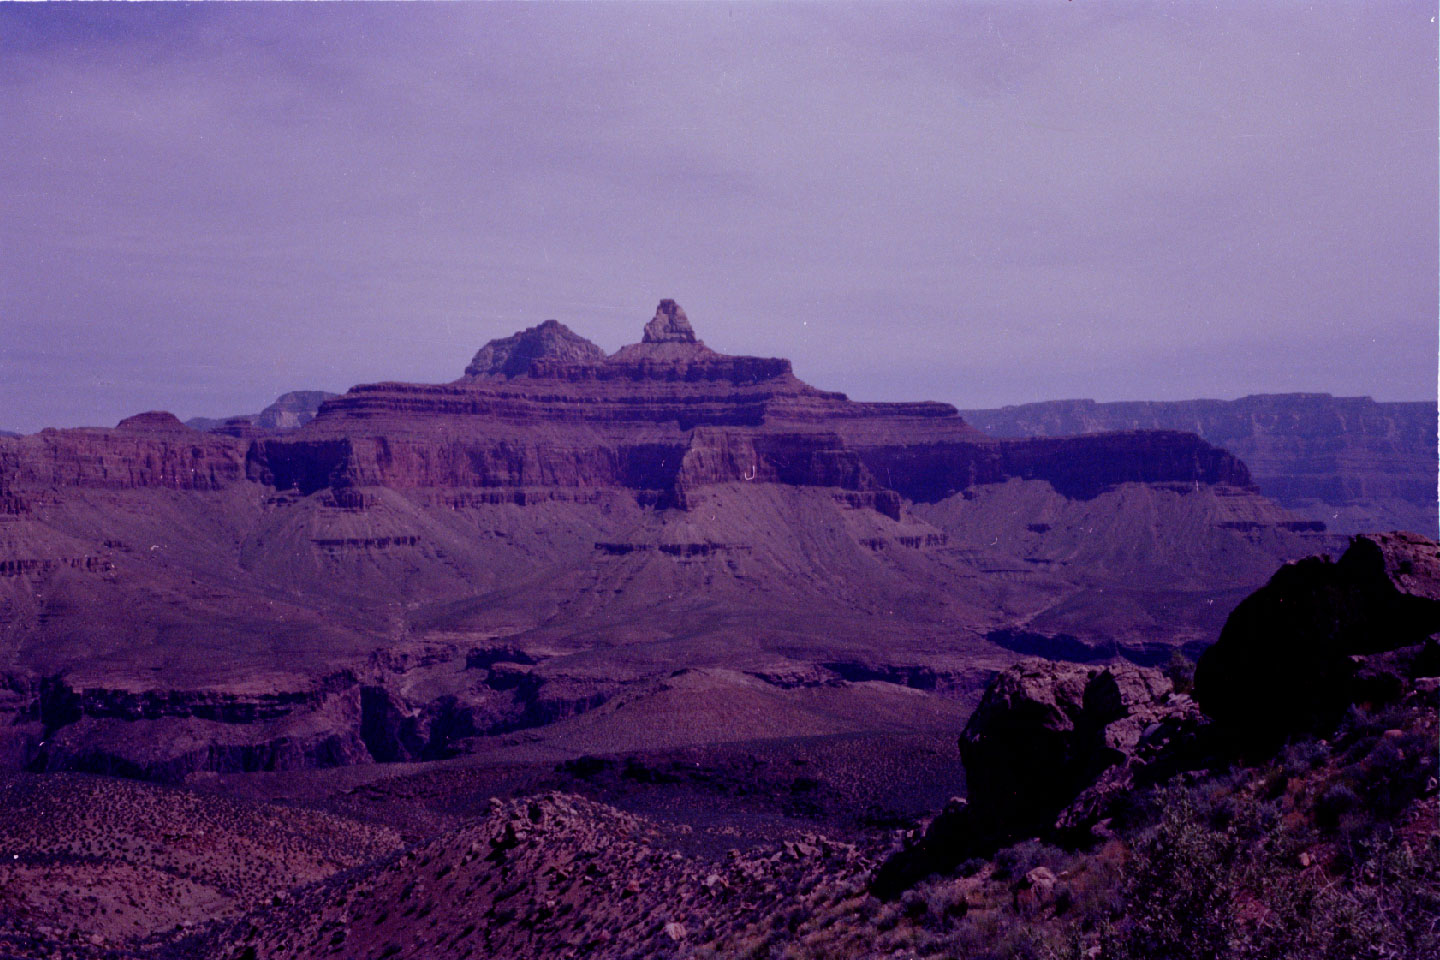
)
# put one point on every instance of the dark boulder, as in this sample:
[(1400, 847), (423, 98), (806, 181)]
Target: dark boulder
[(1045, 751), (1291, 657)]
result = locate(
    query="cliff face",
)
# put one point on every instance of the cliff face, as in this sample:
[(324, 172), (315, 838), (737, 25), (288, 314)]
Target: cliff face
[(147, 450), (174, 601), (1351, 462), (546, 408)]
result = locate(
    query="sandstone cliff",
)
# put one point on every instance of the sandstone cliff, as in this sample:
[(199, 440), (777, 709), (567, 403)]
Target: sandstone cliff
[(1350, 462)]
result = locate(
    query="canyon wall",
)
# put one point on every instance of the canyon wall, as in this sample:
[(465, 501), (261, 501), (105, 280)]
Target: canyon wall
[(1353, 463)]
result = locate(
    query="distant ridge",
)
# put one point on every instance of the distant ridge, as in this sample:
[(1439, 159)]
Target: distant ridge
[(290, 411), (1356, 464)]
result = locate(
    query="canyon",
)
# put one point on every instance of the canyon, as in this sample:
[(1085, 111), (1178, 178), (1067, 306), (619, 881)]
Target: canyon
[(560, 548)]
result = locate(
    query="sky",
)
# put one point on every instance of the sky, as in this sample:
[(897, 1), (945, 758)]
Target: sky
[(204, 206)]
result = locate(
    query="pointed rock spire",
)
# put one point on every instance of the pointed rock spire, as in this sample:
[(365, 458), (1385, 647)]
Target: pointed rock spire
[(669, 325)]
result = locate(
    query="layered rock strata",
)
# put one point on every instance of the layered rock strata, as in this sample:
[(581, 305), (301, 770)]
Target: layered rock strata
[(1355, 464), (547, 408), (615, 518)]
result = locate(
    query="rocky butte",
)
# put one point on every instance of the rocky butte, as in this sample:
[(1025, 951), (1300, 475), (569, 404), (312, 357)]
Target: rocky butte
[(580, 545)]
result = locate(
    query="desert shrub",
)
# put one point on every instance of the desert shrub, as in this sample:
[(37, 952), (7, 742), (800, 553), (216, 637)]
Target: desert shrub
[(1302, 755), (1181, 671), (1014, 862), (1191, 891), (914, 905), (945, 902), (1394, 773), (866, 909), (1176, 899), (1133, 810), (1337, 800)]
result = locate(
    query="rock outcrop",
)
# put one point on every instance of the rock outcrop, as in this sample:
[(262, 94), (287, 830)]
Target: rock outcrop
[(512, 356), (147, 450), (1289, 658), (1354, 464), (546, 408), (1053, 747), (1046, 752), (290, 411), (552, 875), (669, 325), (153, 421)]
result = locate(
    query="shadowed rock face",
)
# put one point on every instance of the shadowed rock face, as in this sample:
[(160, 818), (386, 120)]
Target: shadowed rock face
[(1286, 661), (1049, 736)]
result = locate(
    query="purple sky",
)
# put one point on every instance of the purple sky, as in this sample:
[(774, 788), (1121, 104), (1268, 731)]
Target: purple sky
[(202, 207)]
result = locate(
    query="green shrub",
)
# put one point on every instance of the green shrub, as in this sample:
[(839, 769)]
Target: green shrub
[(1181, 671), (1337, 800)]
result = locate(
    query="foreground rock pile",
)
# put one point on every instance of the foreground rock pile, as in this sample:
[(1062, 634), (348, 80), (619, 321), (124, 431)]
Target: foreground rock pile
[(1054, 748), (1296, 653), (1047, 750), (549, 876)]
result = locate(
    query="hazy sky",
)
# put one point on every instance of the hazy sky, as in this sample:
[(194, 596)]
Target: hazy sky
[(201, 207)]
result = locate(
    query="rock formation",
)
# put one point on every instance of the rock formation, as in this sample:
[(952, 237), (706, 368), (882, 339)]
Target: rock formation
[(147, 450), (669, 325), (545, 408), (1354, 464), (1049, 746), (1053, 747), (607, 519), (290, 411), (1289, 658), (512, 356)]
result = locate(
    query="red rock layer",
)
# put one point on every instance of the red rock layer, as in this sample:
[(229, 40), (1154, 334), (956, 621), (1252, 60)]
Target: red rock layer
[(148, 450), (669, 414)]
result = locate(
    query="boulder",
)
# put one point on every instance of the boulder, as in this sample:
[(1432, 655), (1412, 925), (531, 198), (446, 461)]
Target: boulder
[(1044, 731), (1291, 657), (1045, 753)]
